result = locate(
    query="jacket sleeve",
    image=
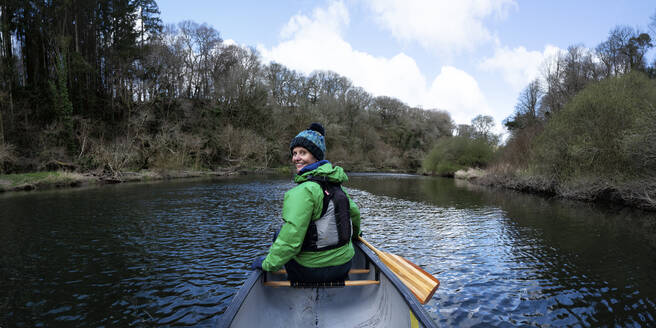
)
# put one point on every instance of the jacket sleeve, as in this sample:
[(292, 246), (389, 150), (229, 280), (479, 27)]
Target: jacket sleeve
[(355, 217), (297, 211)]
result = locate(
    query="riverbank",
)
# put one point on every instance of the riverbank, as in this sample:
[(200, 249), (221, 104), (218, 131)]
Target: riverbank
[(64, 179), (635, 193)]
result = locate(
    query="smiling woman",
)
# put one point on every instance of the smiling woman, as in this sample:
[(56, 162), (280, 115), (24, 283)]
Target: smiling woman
[(314, 243)]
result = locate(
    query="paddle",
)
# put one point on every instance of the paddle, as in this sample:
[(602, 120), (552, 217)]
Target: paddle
[(421, 283)]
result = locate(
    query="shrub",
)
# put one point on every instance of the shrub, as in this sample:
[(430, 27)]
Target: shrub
[(454, 153), (605, 131), (115, 156), (244, 147)]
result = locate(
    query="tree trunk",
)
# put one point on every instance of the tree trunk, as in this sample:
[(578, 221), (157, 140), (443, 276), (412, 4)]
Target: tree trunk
[(8, 61), (2, 131), (11, 103), (77, 40)]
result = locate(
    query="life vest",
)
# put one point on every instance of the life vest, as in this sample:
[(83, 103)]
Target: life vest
[(333, 228)]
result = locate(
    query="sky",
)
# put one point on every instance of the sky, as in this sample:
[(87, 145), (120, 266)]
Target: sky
[(468, 57)]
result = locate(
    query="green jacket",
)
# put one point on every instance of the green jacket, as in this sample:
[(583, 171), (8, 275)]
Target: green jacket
[(303, 204)]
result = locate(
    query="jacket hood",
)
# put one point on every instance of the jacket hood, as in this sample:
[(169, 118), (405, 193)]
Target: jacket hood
[(333, 173)]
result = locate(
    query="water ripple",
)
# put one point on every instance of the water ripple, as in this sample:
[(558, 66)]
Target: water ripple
[(174, 254)]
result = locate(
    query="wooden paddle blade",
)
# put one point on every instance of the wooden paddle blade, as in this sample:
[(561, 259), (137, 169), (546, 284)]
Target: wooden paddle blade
[(421, 283)]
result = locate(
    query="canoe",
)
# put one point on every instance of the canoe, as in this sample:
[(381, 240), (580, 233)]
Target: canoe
[(372, 297)]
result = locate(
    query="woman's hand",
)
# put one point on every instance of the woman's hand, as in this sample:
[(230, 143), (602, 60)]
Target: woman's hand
[(257, 263)]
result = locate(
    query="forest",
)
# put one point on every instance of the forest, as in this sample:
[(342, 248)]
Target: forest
[(105, 86), (586, 129)]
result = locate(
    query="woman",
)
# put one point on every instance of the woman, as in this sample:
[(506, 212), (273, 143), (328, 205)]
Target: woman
[(314, 243)]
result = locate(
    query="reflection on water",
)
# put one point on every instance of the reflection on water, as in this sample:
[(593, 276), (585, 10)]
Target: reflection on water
[(505, 257), (169, 254), (174, 254)]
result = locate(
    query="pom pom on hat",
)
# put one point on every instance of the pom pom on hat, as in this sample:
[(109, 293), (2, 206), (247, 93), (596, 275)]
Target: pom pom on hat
[(317, 127)]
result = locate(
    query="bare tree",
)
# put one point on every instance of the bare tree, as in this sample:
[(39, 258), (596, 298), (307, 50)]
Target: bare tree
[(565, 75), (482, 125), (623, 49), (527, 108), (389, 109), (529, 100), (465, 130)]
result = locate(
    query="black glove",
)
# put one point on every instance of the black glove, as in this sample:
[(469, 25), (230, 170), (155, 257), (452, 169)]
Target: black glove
[(355, 238), (257, 263)]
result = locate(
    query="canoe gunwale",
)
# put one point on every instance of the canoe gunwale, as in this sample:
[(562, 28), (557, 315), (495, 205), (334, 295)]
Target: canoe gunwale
[(417, 309), (238, 299)]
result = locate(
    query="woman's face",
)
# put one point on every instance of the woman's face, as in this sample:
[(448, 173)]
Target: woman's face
[(301, 157)]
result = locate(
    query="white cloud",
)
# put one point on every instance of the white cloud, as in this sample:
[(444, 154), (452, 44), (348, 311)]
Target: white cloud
[(230, 42), (444, 26), (315, 43), (518, 66), (458, 92), (324, 21)]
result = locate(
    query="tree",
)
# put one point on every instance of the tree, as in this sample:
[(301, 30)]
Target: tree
[(389, 109), (625, 50), (134, 94), (482, 124), (357, 101), (241, 91), (602, 131), (636, 50), (7, 65), (150, 23), (465, 131), (274, 74), (460, 152), (527, 107), (565, 75)]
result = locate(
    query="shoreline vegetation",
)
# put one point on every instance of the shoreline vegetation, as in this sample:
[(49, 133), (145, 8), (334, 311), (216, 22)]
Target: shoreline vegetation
[(132, 99), (637, 194), (63, 179)]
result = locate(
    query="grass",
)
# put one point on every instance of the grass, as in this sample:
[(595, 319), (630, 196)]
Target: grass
[(39, 179), (59, 179), (26, 178)]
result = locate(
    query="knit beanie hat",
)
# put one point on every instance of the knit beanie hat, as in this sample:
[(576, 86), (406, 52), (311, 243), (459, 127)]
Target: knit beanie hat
[(311, 139)]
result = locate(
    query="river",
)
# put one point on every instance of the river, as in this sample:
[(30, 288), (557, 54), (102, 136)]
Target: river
[(174, 253)]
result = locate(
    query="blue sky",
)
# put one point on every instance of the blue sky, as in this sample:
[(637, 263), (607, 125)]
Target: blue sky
[(468, 57)]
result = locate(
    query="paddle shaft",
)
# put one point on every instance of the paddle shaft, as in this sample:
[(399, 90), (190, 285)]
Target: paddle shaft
[(421, 283)]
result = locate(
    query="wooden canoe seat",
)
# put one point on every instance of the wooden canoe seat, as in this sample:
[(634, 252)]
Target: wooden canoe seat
[(352, 271), (288, 283)]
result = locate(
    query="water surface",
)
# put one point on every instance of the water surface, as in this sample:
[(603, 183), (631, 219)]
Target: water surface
[(174, 253)]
